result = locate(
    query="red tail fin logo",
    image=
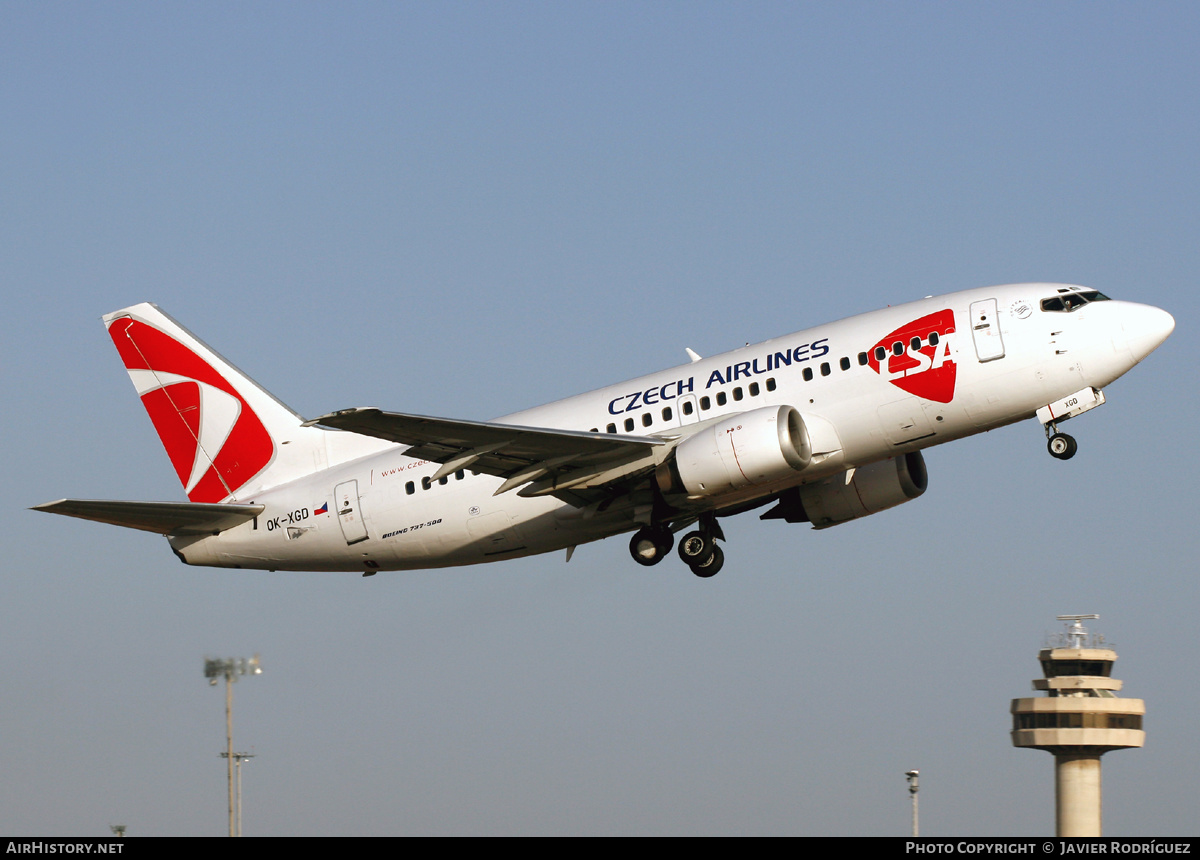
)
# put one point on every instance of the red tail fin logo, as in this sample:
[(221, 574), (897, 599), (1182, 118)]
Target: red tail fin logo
[(214, 439), (917, 357)]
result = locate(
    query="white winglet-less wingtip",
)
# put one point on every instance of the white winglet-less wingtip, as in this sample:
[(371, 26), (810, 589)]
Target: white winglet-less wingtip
[(826, 425)]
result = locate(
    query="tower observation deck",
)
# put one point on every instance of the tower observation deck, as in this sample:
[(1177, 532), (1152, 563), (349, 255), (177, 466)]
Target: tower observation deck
[(1079, 720)]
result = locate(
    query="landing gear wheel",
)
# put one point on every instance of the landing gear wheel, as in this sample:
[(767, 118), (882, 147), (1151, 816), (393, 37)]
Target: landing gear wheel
[(650, 546), (711, 567), (695, 548), (1062, 446)]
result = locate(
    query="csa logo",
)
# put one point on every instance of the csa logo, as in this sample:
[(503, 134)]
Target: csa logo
[(916, 357), (214, 439)]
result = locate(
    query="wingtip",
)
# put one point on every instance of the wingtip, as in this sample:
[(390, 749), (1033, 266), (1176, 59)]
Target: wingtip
[(46, 507)]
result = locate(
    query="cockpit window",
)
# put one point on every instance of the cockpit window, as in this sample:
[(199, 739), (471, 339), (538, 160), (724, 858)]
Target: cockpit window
[(1072, 300)]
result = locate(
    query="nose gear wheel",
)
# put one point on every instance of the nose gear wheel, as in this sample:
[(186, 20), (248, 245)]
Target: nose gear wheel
[(1062, 447)]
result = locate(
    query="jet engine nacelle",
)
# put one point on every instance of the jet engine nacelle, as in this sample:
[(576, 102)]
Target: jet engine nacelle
[(742, 450), (867, 490)]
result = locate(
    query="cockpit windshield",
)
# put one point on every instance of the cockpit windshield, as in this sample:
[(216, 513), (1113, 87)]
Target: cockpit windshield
[(1073, 300)]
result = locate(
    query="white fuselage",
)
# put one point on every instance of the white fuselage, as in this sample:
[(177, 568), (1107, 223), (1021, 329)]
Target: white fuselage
[(983, 358)]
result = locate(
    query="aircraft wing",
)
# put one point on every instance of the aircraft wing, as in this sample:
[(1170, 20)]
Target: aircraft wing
[(550, 461), (165, 518)]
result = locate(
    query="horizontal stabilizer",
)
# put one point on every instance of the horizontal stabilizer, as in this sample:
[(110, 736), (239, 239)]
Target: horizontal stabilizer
[(165, 518)]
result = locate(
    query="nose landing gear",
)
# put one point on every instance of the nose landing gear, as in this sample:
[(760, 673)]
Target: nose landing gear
[(1061, 446)]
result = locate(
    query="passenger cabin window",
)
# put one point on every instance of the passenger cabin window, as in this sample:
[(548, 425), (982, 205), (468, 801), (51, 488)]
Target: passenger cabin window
[(688, 409), (845, 363), (771, 384), (410, 488), (611, 428), (880, 353), (666, 413), (646, 419), (808, 374), (754, 389), (825, 370), (705, 403), (863, 360), (722, 399), (737, 393), (628, 425)]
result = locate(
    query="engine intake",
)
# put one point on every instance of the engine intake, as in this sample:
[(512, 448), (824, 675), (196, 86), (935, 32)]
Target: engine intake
[(747, 449)]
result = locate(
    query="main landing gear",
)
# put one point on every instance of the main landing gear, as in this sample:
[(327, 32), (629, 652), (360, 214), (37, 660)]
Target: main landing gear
[(698, 549), (709, 564), (649, 546)]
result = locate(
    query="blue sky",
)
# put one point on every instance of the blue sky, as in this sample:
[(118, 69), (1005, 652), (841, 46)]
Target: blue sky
[(467, 209)]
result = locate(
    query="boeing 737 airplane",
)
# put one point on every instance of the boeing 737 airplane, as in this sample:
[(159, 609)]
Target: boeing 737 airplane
[(825, 426)]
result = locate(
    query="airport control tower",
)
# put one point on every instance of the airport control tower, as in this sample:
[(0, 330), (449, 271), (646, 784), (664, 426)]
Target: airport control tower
[(1080, 720)]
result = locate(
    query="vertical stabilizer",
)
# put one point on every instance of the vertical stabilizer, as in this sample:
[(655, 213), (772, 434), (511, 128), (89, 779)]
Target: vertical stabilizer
[(225, 436)]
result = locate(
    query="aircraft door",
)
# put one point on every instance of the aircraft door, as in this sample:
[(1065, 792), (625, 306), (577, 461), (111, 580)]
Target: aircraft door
[(985, 330), (349, 510)]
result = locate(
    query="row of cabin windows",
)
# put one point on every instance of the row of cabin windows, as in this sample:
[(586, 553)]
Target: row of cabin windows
[(881, 354), (688, 408), (426, 483)]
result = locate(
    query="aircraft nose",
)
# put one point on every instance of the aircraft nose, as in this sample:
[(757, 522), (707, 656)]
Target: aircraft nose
[(1146, 327)]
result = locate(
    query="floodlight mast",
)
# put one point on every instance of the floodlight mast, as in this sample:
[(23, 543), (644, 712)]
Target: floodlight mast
[(914, 786), (239, 758), (230, 670)]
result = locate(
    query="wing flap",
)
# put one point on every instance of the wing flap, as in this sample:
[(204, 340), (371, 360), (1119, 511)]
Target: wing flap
[(165, 518), (518, 454)]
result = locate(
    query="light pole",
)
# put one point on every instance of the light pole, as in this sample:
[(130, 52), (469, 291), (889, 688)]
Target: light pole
[(239, 758), (230, 670), (913, 786)]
